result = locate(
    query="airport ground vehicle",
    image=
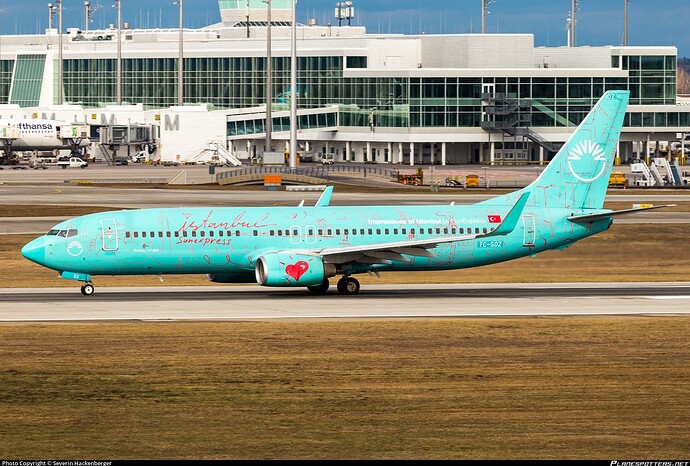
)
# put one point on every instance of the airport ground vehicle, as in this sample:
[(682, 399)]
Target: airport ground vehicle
[(472, 181), (139, 157), (454, 180), (72, 162), (327, 159), (415, 179), (618, 179)]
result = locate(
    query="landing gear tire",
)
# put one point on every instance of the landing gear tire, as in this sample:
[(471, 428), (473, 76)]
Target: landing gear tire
[(319, 289), (87, 289), (348, 286)]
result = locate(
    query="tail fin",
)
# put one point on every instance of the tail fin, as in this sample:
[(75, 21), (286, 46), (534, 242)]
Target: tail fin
[(578, 176)]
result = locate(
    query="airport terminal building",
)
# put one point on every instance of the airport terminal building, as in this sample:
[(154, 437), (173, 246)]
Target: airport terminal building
[(378, 98)]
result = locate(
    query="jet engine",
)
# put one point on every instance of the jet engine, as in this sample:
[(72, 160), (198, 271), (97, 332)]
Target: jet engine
[(283, 269)]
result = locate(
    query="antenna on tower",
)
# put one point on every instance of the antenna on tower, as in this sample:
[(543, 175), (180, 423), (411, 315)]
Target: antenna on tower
[(344, 10)]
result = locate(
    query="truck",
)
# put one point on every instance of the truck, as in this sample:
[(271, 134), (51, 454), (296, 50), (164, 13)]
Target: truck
[(72, 162)]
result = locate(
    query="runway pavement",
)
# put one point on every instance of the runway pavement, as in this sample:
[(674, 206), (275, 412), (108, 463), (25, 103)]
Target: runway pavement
[(374, 301)]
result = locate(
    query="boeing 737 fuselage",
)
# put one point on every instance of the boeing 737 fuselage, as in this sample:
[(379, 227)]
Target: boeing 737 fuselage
[(305, 246)]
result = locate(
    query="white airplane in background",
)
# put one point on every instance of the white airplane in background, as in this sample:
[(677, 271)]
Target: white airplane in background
[(40, 134)]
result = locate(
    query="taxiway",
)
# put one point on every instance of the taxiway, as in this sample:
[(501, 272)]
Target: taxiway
[(374, 302)]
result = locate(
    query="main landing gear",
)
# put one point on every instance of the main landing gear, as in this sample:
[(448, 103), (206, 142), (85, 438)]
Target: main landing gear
[(346, 286), (87, 289)]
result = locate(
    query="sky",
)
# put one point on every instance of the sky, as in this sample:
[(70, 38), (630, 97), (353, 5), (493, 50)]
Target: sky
[(599, 22)]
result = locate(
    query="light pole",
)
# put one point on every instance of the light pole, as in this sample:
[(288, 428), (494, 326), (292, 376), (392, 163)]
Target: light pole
[(625, 23), (485, 11), (574, 9), (269, 78), (293, 89), (119, 53), (51, 15), (180, 60), (87, 6), (59, 8)]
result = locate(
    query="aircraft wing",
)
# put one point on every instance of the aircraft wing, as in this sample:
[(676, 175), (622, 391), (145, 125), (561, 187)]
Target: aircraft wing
[(383, 253), (587, 218)]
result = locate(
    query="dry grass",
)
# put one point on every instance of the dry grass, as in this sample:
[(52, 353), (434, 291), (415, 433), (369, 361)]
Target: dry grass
[(12, 210), (585, 388), (627, 252)]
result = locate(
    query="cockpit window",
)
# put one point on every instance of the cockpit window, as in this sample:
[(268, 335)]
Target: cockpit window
[(63, 233)]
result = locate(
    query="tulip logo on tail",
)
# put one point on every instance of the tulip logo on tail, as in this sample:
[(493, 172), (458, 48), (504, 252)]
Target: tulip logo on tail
[(578, 158), (297, 270)]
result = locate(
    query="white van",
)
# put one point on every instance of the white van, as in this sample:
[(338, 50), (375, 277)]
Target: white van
[(72, 162)]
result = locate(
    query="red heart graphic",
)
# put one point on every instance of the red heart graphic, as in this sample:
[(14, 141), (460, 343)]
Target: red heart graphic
[(297, 270)]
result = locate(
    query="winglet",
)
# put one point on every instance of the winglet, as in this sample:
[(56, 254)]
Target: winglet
[(325, 198), (511, 220)]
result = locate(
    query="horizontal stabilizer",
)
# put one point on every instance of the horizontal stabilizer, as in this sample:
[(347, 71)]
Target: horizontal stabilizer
[(511, 220), (325, 198), (614, 213)]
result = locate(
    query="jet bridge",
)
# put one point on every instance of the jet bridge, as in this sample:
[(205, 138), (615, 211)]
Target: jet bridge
[(112, 138)]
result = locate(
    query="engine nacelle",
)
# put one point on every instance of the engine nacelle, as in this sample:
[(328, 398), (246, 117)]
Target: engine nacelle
[(232, 277), (292, 270)]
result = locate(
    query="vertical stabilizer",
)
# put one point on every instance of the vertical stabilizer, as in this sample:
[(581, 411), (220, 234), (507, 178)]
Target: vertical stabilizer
[(578, 176)]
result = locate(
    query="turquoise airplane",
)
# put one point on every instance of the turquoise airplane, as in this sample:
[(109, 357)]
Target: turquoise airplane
[(304, 246)]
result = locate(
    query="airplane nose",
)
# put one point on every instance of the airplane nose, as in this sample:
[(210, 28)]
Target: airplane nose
[(35, 251)]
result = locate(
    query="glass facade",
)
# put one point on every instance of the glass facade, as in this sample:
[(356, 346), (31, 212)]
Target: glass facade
[(6, 67), (28, 78), (257, 125), (652, 79), (448, 102)]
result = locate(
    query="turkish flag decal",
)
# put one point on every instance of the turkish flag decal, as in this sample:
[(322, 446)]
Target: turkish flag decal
[(494, 219)]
